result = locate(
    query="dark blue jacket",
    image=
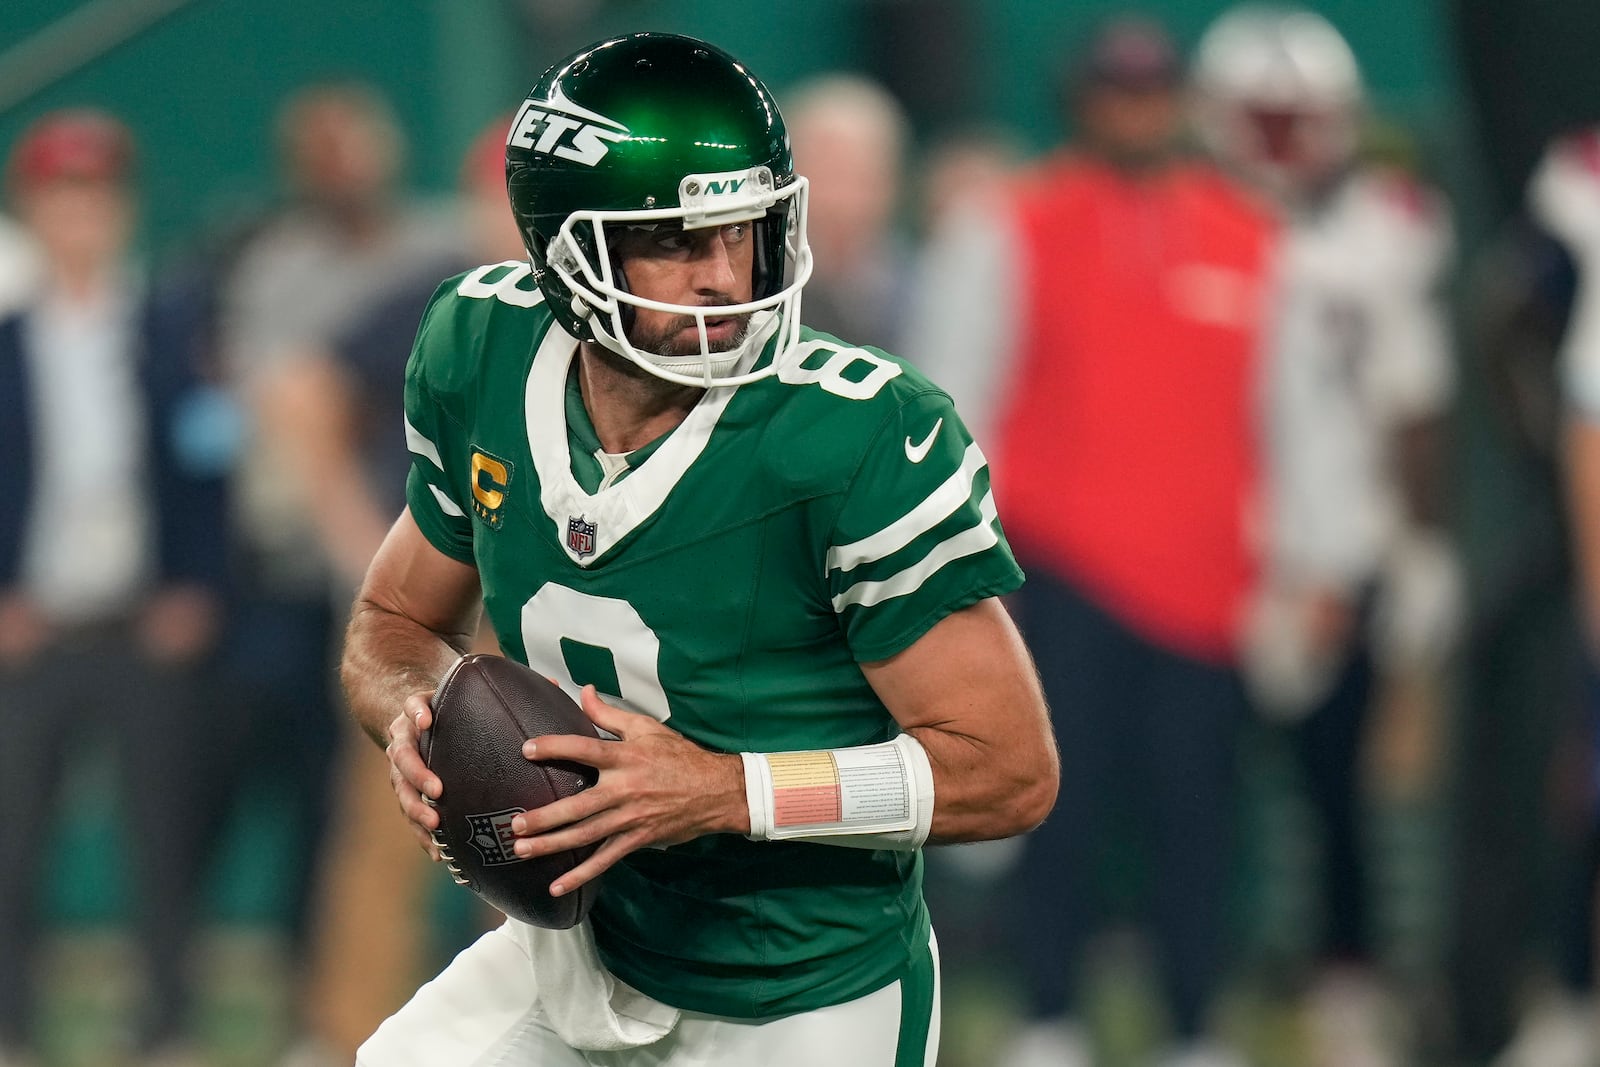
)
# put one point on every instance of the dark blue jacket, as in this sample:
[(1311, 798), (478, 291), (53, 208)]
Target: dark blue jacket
[(189, 506)]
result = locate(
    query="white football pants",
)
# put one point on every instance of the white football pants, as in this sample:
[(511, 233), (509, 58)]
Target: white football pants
[(480, 1012)]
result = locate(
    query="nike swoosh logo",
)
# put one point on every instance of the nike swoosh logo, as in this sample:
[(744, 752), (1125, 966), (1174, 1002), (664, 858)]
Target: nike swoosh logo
[(916, 453)]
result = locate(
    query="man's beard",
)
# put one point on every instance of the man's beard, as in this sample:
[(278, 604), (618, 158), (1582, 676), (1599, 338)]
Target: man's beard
[(666, 342), (670, 340)]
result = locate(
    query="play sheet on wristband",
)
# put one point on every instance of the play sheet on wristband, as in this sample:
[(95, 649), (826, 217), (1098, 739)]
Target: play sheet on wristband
[(862, 789)]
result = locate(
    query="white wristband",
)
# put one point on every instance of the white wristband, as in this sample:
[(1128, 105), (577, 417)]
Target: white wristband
[(870, 796)]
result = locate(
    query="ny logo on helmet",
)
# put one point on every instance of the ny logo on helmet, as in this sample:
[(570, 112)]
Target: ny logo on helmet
[(561, 128)]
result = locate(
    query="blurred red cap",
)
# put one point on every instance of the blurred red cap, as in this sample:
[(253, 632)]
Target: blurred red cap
[(83, 145)]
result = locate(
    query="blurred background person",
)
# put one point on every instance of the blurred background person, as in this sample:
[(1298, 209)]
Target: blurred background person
[(1565, 197), (1112, 373), (345, 236), (109, 569), (850, 137), (329, 404), (1361, 588), (335, 412), (964, 172), (1479, 87), (1538, 313), (962, 169)]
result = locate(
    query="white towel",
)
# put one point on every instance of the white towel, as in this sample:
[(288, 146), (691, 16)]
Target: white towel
[(588, 1006)]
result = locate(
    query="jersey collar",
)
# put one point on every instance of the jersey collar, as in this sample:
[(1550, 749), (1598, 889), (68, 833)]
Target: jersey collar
[(589, 525)]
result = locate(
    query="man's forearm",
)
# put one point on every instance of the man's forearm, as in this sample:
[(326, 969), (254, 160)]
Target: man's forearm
[(388, 657)]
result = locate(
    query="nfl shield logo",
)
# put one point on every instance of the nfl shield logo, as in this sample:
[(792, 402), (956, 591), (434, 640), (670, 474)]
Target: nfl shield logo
[(580, 537), (492, 837)]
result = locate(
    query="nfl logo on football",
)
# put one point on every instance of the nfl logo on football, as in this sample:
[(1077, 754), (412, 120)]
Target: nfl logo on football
[(492, 836), (580, 537)]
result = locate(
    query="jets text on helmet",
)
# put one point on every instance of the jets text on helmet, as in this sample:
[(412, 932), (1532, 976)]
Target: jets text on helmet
[(559, 127)]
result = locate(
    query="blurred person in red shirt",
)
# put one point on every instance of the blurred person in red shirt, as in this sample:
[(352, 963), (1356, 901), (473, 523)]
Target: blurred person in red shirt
[(1101, 325)]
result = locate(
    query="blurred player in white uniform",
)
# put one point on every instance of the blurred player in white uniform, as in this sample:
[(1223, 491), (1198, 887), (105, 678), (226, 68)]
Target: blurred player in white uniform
[(1360, 592)]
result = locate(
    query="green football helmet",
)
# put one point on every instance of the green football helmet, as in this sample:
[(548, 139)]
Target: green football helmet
[(656, 128)]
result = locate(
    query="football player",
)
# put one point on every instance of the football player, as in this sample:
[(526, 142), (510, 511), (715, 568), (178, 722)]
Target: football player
[(1551, 352), (766, 561), (1360, 596)]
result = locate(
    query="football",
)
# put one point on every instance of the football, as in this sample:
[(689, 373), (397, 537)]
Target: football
[(483, 710)]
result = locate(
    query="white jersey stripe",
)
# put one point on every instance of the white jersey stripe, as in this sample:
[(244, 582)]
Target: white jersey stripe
[(446, 505), (949, 495), (968, 542), (423, 447)]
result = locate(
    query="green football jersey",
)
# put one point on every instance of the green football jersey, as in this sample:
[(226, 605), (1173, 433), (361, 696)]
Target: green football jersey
[(727, 579)]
